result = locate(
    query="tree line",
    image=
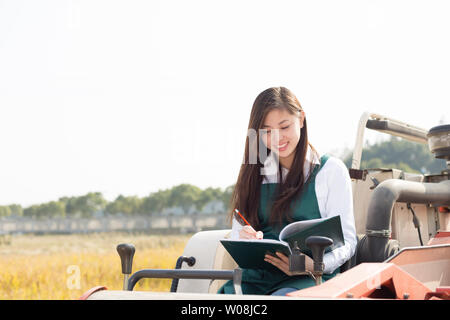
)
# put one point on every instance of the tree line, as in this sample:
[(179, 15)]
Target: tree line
[(184, 196), (394, 153), (399, 154)]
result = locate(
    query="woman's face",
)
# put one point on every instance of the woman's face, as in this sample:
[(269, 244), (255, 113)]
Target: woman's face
[(284, 139)]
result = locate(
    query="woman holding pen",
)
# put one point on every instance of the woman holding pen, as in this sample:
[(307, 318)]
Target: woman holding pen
[(284, 179)]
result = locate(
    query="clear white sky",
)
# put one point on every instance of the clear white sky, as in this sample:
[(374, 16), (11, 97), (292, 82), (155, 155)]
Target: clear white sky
[(128, 97)]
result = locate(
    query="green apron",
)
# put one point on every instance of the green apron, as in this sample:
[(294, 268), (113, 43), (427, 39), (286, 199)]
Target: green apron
[(259, 281)]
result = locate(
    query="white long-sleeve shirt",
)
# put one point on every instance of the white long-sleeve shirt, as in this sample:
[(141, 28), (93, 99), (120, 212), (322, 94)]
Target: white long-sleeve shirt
[(334, 196)]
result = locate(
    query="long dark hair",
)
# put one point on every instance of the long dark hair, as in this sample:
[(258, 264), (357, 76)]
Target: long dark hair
[(247, 190)]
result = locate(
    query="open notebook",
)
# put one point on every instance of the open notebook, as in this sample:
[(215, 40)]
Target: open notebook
[(249, 253)]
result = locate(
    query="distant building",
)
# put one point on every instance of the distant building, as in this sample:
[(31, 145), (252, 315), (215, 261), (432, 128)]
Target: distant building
[(212, 207)]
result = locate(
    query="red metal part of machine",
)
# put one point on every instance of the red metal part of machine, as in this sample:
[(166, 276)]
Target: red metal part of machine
[(91, 291), (402, 277), (369, 280), (441, 293), (441, 237)]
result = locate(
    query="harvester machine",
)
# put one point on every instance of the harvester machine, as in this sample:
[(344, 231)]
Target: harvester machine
[(402, 222)]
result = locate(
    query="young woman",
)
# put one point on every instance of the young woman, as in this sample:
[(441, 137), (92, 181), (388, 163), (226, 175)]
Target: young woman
[(293, 182)]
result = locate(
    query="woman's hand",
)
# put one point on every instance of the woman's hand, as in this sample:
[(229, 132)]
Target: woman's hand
[(282, 262), (248, 232)]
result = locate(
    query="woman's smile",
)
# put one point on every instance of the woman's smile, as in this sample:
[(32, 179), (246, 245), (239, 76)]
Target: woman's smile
[(283, 147)]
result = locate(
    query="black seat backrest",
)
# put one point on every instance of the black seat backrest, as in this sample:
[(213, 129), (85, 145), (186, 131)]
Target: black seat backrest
[(392, 248)]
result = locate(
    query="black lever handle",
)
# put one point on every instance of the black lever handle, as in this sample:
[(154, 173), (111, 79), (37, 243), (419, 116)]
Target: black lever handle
[(190, 262), (318, 244), (126, 253)]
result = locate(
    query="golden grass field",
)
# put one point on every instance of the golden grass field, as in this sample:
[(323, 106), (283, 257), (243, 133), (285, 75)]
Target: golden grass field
[(65, 266)]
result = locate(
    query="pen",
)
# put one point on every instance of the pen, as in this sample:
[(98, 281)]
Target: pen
[(237, 211), (259, 234)]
